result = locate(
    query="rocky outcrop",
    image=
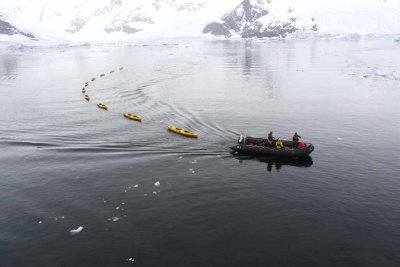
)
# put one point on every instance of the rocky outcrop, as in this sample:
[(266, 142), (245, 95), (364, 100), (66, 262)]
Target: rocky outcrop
[(247, 20), (8, 29)]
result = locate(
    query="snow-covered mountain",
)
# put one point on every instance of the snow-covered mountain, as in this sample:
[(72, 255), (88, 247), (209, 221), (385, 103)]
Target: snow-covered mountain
[(7, 29), (103, 20)]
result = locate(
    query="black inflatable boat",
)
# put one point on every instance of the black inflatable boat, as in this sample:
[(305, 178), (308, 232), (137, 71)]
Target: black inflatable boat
[(261, 147)]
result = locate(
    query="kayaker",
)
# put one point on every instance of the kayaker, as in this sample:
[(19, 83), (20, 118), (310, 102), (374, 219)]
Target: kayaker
[(278, 144), (295, 139)]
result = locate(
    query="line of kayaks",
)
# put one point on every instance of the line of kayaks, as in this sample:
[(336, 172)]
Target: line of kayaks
[(134, 117)]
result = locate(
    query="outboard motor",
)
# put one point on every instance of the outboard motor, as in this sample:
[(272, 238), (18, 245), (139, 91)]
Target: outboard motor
[(242, 139)]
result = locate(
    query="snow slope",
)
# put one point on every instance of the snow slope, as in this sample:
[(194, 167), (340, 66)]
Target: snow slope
[(105, 20)]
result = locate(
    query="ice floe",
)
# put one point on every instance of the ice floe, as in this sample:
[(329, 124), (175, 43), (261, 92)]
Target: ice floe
[(157, 183), (114, 219), (77, 230)]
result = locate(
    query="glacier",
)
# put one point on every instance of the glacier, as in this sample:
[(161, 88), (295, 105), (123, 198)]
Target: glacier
[(83, 21)]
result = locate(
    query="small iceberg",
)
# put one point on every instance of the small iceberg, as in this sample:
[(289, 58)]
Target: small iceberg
[(114, 219), (157, 183), (339, 139), (77, 230)]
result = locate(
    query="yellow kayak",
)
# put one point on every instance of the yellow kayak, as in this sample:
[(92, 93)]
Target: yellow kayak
[(181, 131), (100, 105), (132, 116), (87, 97), (101, 75), (93, 79)]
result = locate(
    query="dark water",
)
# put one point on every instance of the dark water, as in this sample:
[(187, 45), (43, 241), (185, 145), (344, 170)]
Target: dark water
[(65, 163)]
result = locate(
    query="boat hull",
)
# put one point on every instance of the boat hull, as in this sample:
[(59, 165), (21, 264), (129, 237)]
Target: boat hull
[(273, 152)]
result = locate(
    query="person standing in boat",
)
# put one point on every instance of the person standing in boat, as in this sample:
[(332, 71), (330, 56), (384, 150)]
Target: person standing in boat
[(295, 139), (270, 140), (270, 136)]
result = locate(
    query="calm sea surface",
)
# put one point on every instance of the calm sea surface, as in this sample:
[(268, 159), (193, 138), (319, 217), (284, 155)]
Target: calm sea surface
[(65, 163)]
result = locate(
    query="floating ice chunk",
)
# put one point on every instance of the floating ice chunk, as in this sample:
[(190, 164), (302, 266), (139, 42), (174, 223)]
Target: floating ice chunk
[(114, 219), (131, 260), (125, 191), (135, 186), (157, 183), (154, 193), (123, 203), (180, 157), (194, 162), (117, 208), (77, 230), (63, 217), (339, 139), (39, 222)]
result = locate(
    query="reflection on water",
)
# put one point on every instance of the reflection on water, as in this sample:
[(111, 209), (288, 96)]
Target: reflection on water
[(277, 163)]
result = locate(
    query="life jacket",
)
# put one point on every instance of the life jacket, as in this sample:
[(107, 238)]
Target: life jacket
[(279, 144), (301, 145)]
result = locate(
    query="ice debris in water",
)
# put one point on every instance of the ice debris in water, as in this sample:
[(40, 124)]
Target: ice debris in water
[(76, 231), (114, 219), (339, 139), (157, 183), (154, 192), (117, 208), (131, 260), (136, 185), (180, 157), (194, 162), (39, 222), (191, 170)]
